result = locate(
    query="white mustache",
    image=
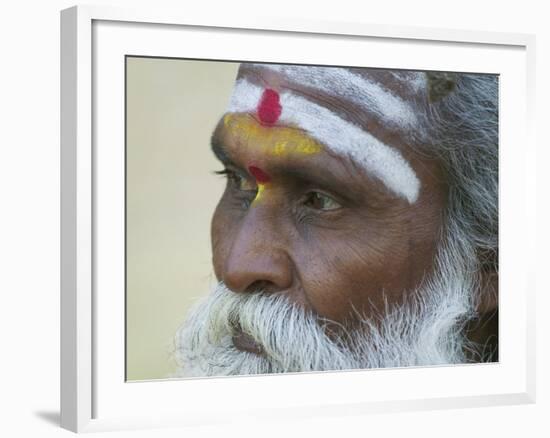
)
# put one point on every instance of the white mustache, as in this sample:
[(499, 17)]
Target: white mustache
[(289, 335)]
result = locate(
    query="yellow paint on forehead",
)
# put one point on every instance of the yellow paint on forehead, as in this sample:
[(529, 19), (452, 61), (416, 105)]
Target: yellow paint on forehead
[(277, 141), (274, 140), (259, 194)]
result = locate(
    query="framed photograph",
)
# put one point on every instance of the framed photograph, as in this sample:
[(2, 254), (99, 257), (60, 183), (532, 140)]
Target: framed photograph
[(257, 209)]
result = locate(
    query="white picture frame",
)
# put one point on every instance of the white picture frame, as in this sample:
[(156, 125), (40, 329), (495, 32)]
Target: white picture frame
[(93, 395)]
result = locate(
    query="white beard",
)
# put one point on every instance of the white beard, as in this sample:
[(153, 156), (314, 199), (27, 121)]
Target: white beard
[(426, 329)]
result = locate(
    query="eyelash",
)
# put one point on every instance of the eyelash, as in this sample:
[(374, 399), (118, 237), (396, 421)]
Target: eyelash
[(245, 197), (228, 174)]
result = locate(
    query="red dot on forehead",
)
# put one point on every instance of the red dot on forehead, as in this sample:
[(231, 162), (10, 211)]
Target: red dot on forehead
[(269, 108), (259, 174)]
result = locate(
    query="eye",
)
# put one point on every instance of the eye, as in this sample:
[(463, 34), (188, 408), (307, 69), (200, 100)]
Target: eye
[(320, 201)]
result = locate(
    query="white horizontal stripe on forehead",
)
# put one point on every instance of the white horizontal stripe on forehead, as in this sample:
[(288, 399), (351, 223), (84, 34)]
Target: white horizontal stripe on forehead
[(345, 138), (342, 83), (415, 80)]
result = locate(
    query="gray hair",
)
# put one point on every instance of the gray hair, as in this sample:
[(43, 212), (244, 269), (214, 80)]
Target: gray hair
[(462, 122)]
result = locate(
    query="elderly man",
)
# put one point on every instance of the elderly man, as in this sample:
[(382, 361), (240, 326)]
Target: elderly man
[(358, 227)]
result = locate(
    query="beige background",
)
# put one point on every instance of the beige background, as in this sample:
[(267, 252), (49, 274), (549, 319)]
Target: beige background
[(171, 192)]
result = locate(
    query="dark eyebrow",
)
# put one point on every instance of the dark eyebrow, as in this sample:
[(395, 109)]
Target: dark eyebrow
[(221, 154), (219, 150)]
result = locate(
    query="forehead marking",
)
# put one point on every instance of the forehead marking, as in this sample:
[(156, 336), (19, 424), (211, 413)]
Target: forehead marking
[(262, 179), (269, 107), (260, 175), (345, 138), (289, 140), (259, 193), (342, 83)]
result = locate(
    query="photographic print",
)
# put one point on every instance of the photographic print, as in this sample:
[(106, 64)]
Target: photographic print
[(289, 218)]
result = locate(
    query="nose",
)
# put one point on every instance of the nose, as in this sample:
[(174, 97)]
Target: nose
[(257, 258)]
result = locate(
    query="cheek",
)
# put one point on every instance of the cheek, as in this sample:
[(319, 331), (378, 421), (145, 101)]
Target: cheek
[(340, 274), (335, 278)]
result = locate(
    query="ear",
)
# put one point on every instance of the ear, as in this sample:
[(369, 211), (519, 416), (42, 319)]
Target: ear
[(440, 84), (488, 300)]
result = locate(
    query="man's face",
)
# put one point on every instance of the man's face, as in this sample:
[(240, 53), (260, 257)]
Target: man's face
[(330, 244), (300, 220)]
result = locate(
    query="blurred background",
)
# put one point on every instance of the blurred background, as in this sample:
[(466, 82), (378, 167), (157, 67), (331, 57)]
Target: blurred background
[(173, 106)]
